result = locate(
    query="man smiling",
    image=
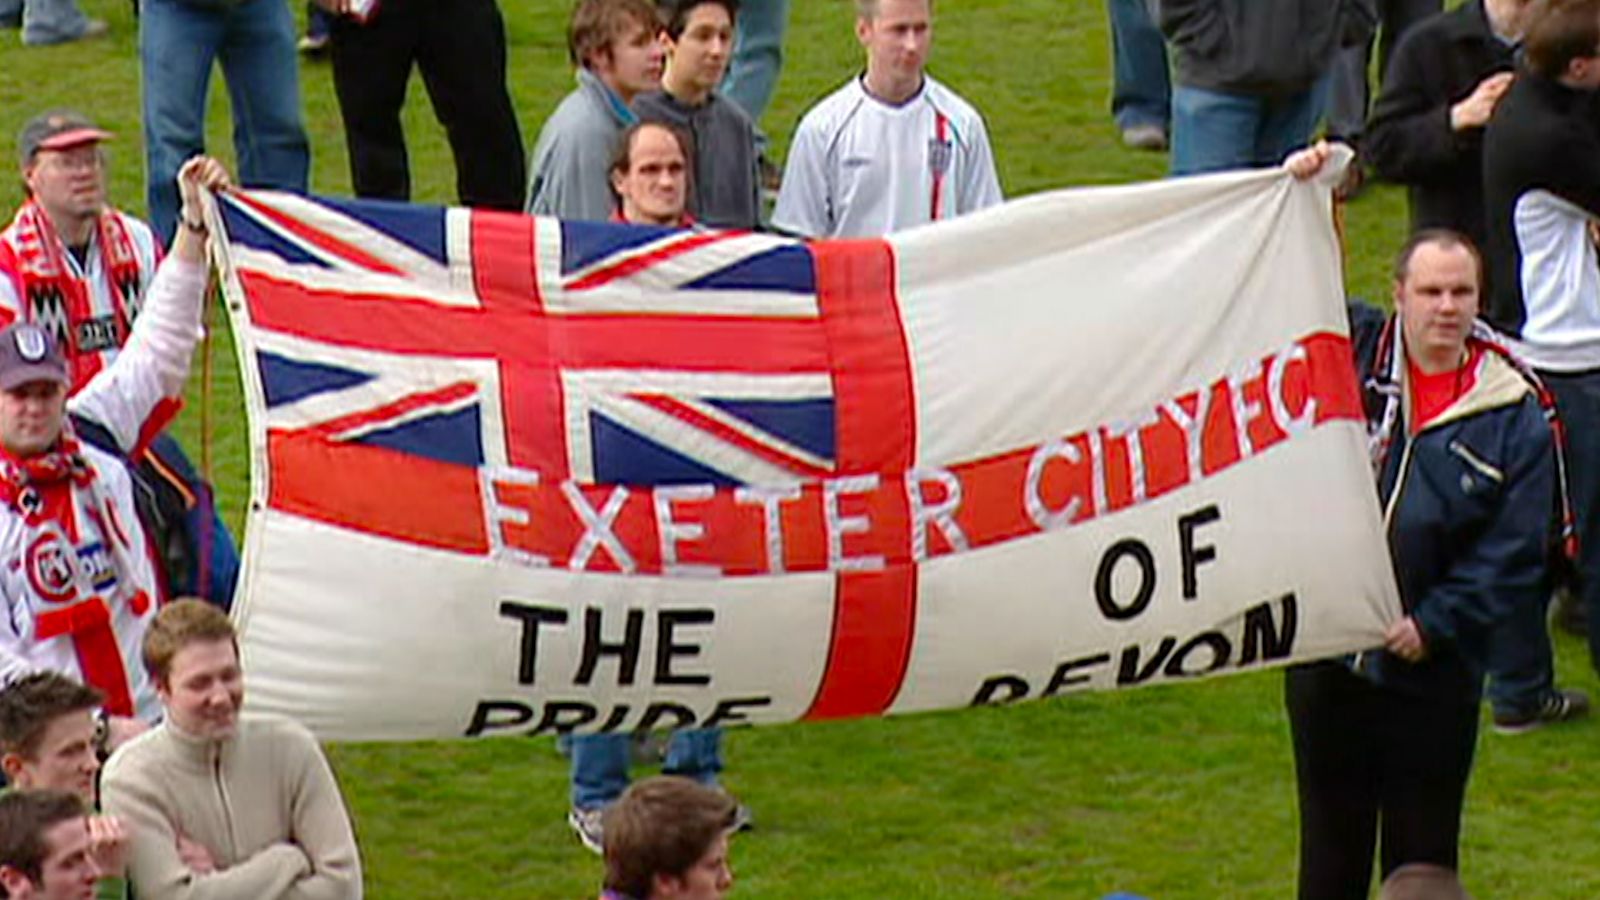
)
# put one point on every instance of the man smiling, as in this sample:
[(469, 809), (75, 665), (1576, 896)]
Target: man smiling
[(224, 805)]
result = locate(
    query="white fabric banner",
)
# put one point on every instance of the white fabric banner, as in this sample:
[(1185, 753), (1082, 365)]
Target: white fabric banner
[(516, 476)]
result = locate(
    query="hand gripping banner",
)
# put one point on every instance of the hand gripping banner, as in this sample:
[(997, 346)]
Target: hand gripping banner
[(514, 475)]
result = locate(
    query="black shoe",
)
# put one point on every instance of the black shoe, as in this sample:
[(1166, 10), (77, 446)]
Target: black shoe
[(1562, 705)]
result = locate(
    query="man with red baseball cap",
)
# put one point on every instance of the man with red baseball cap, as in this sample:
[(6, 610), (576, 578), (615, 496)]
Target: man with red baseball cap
[(69, 261)]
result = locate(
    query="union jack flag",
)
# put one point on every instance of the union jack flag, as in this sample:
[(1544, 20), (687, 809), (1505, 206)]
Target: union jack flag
[(677, 356), (396, 355)]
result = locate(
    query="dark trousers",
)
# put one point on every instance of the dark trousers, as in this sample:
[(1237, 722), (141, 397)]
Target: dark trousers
[(1578, 401), (1368, 761), (460, 48), (1521, 661)]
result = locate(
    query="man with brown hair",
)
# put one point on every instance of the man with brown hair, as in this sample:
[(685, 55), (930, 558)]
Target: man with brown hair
[(616, 45), (47, 847), (667, 839), (225, 805), (52, 738), (51, 734), (727, 184), (1541, 178), (650, 176)]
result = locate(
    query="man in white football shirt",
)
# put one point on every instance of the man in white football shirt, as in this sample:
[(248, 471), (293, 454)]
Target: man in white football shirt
[(891, 149)]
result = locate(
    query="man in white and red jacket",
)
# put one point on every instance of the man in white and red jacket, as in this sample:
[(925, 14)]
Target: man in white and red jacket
[(79, 580), (69, 260)]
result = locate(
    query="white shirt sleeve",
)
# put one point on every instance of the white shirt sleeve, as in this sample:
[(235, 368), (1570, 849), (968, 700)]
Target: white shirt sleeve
[(155, 362), (980, 186), (805, 201)]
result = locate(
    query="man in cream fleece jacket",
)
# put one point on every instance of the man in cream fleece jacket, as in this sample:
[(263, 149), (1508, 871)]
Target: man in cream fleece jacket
[(223, 805)]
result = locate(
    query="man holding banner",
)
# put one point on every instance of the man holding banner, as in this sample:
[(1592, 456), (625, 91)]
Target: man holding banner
[(1465, 463), (85, 584)]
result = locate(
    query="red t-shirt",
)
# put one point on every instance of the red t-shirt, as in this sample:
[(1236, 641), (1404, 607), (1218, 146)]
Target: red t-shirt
[(1433, 394)]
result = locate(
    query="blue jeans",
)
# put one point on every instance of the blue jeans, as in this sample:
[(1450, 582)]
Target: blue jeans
[(178, 42), (757, 56), (1141, 90), (600, 763), (1348, 97), (1213, 131), (45, 21), (1578, 401)]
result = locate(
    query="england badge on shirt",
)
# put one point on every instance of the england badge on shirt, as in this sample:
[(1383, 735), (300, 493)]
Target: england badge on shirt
[(940, 152)]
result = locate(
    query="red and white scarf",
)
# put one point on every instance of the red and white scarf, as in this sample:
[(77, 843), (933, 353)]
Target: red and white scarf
[(56, 297), (60, 498)]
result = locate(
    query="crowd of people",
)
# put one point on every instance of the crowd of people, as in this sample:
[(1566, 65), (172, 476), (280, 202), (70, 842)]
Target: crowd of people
[(1484, 433)]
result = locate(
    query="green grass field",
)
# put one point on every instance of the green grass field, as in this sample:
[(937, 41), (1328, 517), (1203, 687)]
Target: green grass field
[(1168, 792)]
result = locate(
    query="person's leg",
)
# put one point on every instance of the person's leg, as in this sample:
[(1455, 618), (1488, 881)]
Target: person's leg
[(463, 61), (262, 71), (757, 56), (1330, 722), (1141, 93), (52, 22), (1212, 131), (177, 44), (695, 753), (10, 13), (1521, 661), (599, 769), (1578, 401), (371, 65), (1427, 758), (1287, 124), (319, 22)]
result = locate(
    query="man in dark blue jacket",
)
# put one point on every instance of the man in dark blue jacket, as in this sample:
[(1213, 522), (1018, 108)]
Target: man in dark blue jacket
[(1465, 463)]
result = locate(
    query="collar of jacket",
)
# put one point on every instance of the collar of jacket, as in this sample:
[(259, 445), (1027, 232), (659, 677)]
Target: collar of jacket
[(591, 84), (1497, 384)]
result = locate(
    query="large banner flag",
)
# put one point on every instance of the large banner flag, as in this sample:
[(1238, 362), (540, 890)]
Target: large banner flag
[(515, 475)]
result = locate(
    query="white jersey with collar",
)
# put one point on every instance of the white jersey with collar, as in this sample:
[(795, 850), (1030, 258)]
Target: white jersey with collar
[(859, 167)]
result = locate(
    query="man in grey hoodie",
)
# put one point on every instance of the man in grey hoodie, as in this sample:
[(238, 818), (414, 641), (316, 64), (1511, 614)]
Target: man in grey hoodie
[(616, 45), (726, 188), (1250, 75)]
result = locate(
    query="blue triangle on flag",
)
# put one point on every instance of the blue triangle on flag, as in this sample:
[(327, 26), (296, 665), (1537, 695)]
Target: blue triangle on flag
[(808, 424), (585, 242), (422, 228), (286, 380), (245, 230), (623, 456), (452, 437), (787, 269)]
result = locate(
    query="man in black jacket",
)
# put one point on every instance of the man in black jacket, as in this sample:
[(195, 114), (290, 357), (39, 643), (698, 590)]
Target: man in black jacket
[(1440, 89), (1541, 176), (1248, 75)]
